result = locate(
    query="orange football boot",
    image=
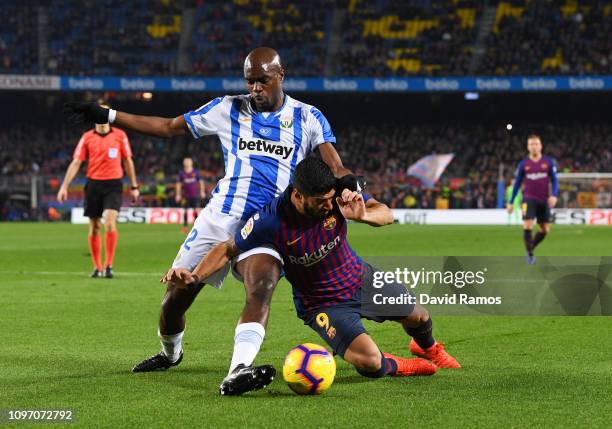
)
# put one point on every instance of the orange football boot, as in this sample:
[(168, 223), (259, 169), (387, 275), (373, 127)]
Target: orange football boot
[(411, 367), (436, 354)]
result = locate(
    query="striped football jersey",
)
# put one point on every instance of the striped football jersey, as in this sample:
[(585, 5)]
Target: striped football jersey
[(260, 149)]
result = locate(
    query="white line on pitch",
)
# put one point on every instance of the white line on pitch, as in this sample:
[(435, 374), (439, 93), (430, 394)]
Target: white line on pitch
[(76, 273)]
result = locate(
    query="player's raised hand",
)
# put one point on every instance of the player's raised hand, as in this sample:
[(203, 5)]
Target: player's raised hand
[(351, 205), (179, 277), (77, 113)]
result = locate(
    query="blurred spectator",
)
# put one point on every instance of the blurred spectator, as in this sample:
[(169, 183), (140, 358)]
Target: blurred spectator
[(381, 152), (371, 38), (550, 37)]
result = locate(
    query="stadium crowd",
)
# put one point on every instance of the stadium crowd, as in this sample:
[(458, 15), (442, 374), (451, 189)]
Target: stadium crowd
[(410, 38), (120, 38), (319, 37), (380, 152), (225, 32), (552, 37)]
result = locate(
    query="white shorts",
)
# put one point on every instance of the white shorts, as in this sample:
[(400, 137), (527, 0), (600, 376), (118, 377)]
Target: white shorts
[(209, 229)]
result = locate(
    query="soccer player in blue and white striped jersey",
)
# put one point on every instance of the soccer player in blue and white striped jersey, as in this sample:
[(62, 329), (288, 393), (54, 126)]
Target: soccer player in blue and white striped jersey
[(263, 135)]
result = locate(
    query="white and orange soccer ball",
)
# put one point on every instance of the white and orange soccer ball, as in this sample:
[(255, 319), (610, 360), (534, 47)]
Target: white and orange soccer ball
[(309, 369)]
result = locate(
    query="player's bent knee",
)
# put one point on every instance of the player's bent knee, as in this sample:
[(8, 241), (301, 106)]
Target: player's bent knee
[(110, 220), (95, 226), (262, 289), (110, 225)]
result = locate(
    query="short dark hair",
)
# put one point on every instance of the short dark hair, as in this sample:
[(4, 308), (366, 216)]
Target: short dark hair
[(534, 136), (313, 177)]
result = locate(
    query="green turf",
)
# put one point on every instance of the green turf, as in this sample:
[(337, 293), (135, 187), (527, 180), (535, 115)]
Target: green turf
[(69, 342)]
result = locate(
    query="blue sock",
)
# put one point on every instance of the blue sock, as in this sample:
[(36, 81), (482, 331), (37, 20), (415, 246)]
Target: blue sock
[(422, 334)]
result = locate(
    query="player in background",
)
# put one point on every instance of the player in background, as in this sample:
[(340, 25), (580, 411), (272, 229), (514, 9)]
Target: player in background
[(104, 148), (513, 217), (538, 175), (333, 288), (263, 135), (190, 189)]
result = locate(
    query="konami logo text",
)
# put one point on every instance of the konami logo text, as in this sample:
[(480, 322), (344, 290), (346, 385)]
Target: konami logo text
[(318, 255), (264, 147)]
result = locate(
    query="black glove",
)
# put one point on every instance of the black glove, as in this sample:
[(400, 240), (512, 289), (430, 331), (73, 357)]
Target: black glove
[(350, 182), (77, 113)]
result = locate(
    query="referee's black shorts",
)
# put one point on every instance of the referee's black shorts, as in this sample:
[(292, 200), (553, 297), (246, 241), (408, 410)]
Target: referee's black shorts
[(101, 195)]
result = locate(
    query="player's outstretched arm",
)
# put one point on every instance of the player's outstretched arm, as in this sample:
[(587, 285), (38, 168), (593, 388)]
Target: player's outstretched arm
[(330, 156), (216, 259), (91, 112), (153, 125), (377, 213), (345, 177)]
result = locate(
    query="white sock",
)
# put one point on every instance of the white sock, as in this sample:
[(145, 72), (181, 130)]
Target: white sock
[(171, 345), (247, 341)]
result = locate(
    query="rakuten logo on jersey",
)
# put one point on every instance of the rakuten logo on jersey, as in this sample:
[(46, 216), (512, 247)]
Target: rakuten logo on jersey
[(537, 176), (317, 256), (279, 150)]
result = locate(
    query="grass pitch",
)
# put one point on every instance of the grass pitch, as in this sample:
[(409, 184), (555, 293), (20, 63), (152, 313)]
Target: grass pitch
[(69, 342)]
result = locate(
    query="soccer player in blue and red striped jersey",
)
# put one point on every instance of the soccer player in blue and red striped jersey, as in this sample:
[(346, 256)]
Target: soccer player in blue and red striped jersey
[(535, 173), (190, 189), (332, 285)]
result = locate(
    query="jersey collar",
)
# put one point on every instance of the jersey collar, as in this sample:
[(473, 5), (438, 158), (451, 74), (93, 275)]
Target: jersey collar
[(271, 115), (110, 130)]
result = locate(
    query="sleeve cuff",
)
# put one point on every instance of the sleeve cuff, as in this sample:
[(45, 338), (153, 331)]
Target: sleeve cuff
[(190, 125)]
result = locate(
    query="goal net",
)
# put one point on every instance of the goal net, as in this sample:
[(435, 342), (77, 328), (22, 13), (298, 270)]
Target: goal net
[(585, 190)]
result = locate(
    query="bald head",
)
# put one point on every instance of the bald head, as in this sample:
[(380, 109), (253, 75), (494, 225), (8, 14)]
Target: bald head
[(264, 74), (263, 57)]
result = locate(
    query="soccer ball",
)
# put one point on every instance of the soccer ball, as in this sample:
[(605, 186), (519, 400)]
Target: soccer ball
[(309, 369)]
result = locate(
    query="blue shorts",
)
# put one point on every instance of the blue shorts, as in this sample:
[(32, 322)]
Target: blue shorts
[(536, 209), (341, 323)]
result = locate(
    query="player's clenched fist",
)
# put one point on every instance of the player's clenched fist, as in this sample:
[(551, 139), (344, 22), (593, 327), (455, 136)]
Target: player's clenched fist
[(77, 113), (351, 205)]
